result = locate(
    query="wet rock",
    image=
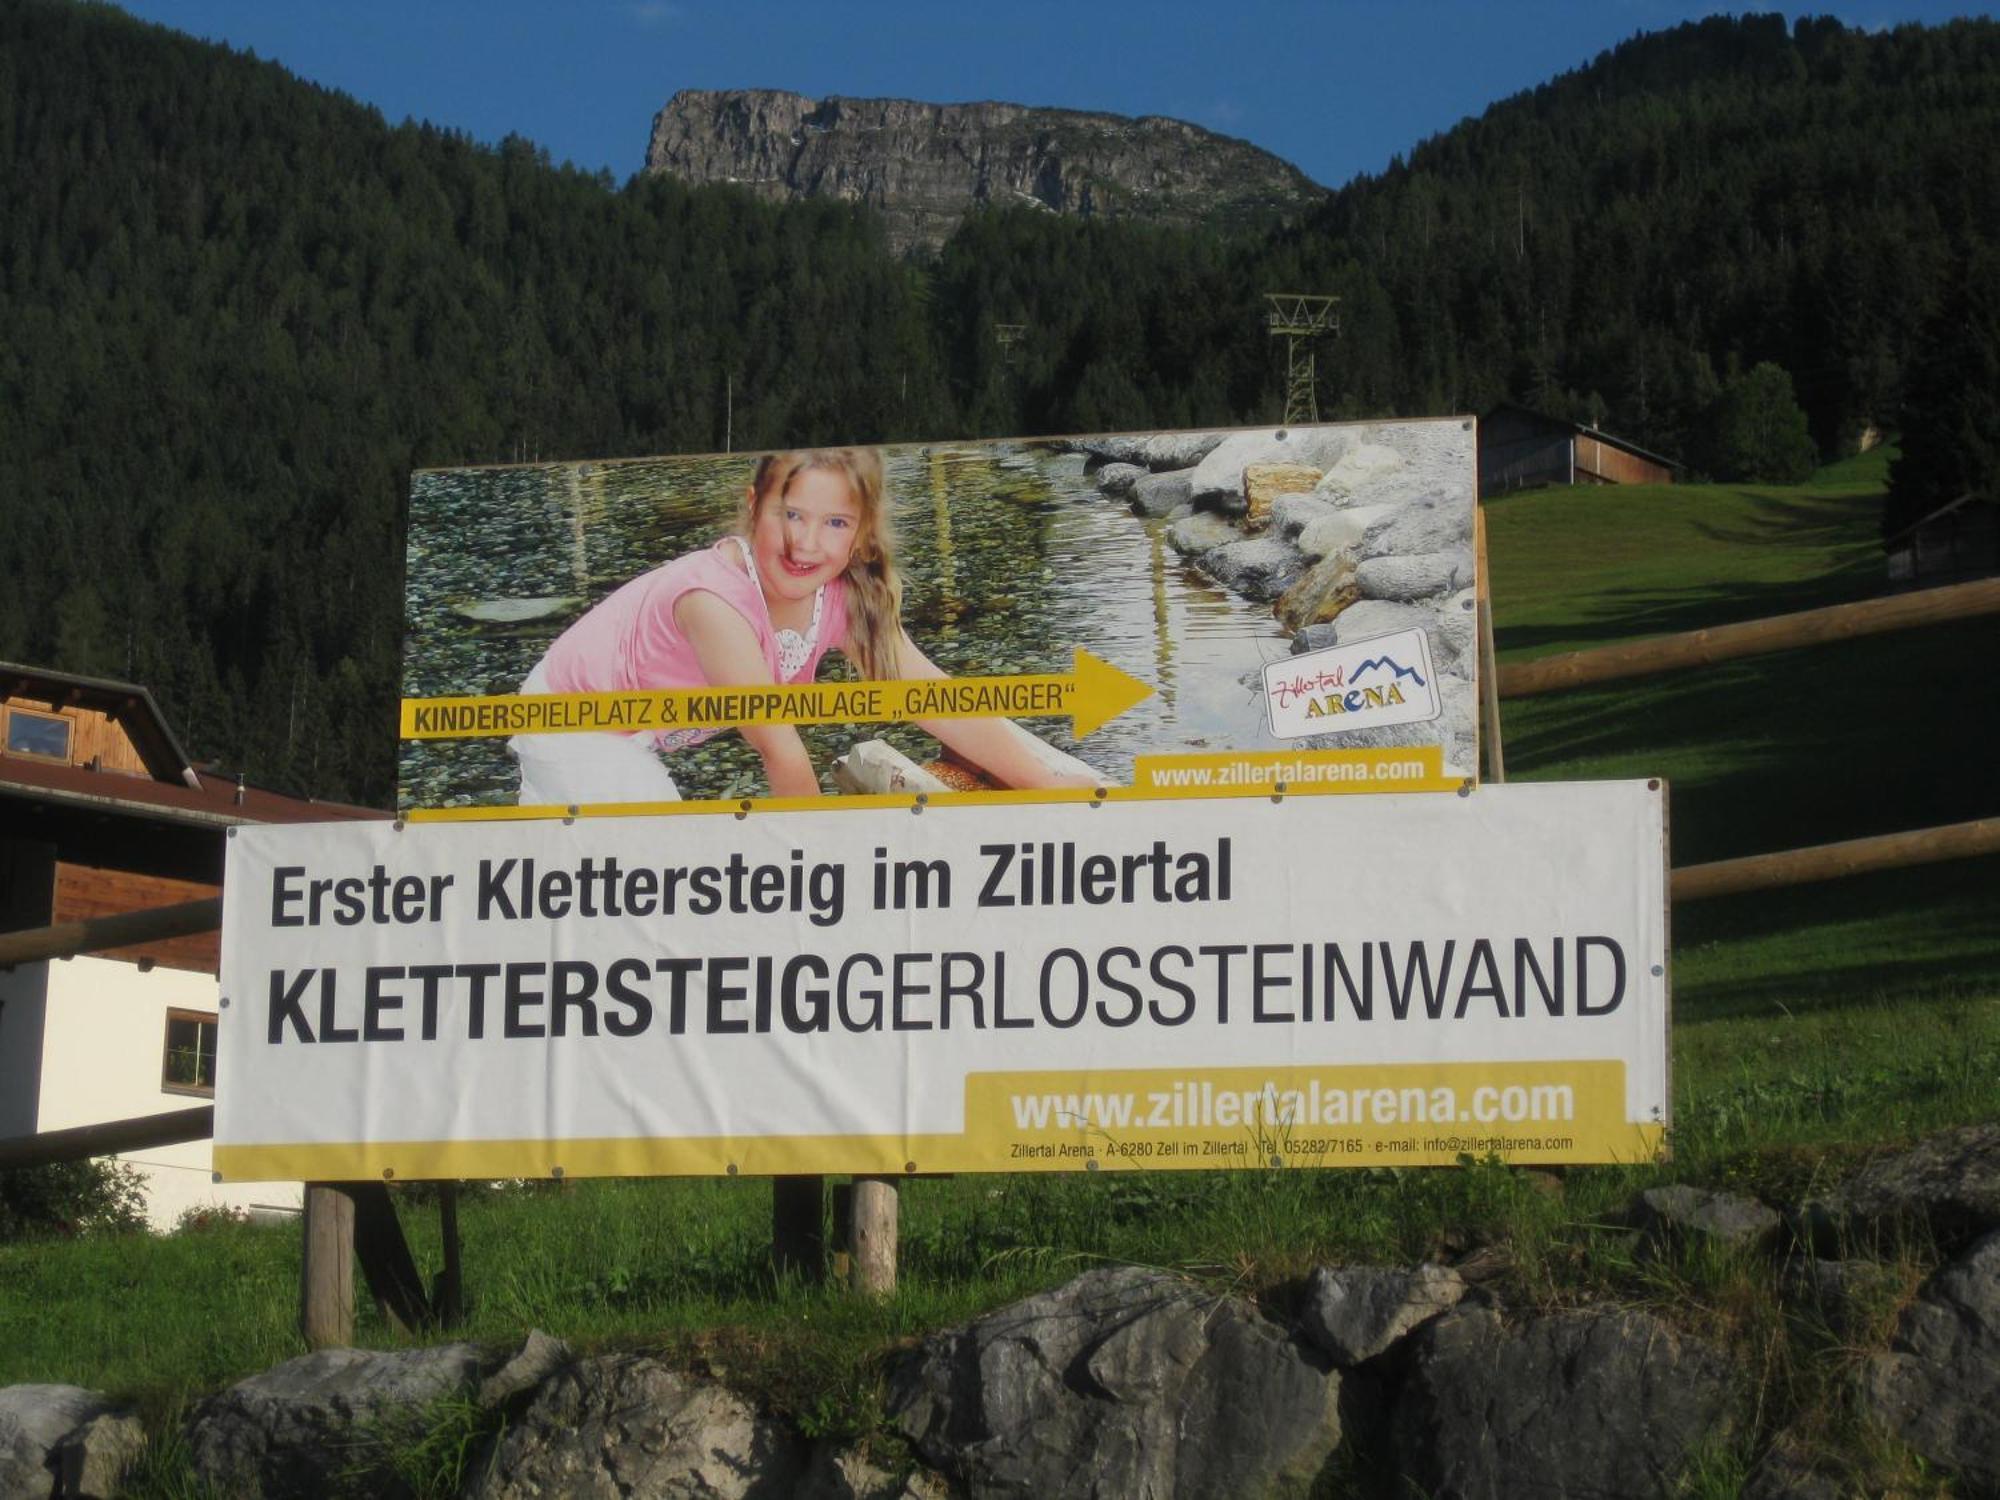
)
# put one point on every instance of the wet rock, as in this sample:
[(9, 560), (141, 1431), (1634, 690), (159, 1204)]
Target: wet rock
[(1684, 1214), (1124, 1382), (1260, 568), (93, 1460), (34, 1420), (1849, 1296), (1320, 594), (279, 1433), (1157, 451), (1358, 470), (1217, 481), (1118, 479), (518, 611), (1938, 1385), (1198, 533), (1602, 1402), (1160, 494), (1948, 1186), (621, 1425), (1356, 1312), (1264, 483), (1410, 578)]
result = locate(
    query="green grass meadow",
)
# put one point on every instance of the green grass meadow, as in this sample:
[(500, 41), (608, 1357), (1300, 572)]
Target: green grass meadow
[(1810, 1025)]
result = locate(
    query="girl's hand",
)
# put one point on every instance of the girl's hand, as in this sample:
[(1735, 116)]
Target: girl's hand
[(999, 747)]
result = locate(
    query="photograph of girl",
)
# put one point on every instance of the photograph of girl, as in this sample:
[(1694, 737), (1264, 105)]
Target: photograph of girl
[(809, 569), (1170, 556)]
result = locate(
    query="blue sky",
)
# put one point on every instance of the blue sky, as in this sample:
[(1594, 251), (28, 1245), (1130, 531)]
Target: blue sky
[(1335, 88)]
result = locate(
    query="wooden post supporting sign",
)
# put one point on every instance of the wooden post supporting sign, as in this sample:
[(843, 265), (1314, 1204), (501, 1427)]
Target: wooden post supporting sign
[(872, 1236)]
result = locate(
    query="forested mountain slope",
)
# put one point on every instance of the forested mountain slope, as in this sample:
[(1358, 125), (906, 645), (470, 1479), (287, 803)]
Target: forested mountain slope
[(236, 309)]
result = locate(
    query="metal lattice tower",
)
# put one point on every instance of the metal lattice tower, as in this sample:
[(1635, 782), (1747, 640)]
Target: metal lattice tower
[(1299, 318)]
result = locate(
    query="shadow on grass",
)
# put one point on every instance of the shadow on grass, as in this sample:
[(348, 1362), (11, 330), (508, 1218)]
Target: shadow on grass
[(1704, 557), (1914, 935), (1880, 735)]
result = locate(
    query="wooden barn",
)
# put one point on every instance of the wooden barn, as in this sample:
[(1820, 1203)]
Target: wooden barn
[(1519, 448), (1953, 543), (102, 812)]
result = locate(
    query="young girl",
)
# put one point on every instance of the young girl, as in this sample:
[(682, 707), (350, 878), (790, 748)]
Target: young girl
[(808, 572)]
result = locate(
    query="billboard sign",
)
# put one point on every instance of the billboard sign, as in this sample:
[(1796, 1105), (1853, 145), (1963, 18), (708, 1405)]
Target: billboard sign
[(1393, 980), (1142, 607)]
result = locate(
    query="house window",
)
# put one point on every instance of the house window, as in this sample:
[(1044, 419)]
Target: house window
[(190, 1058), (44, 736)]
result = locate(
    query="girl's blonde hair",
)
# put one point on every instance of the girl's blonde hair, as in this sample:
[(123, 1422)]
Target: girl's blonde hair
[(874, 588)]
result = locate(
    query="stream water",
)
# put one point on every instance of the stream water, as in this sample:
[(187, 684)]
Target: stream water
[(1010, 556)]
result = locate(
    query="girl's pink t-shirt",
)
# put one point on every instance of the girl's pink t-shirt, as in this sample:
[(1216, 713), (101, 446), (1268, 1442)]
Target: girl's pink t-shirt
[(629, 642)]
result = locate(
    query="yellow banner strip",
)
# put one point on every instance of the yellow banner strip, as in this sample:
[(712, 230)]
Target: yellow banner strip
[(1331, 773), (1090, 695), (1410, 1114)]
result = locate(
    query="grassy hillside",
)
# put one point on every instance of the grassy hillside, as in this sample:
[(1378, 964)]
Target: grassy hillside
[(1808, 1026)]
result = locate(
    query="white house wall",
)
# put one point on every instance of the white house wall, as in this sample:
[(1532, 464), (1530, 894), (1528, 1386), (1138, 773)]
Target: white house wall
[(103, 1049)]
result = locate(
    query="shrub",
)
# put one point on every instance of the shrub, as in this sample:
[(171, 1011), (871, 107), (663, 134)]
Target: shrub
[(71, 1198)]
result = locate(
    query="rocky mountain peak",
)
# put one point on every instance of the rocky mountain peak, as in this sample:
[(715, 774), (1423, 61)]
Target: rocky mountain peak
[(925, 166)]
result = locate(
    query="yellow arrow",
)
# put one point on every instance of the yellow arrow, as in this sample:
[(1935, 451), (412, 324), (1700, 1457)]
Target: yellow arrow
[(1090, 695)]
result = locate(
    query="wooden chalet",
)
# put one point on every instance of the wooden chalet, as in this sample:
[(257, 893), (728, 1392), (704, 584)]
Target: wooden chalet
[(101, 812), (1519, 448)]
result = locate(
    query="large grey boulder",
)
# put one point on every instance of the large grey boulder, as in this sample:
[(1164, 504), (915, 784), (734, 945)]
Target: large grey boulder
[(1407, 578), (1419, 524), (1124, 1382), (34, 1420), (93, 1460), (1680, 1214), (283, 1432), (1937, 1387), (1356, 1312), (1259, 568), (1947, 1186), (1159, 494), (625, 1425), (1217, 480), (1601, 1403), (1364, 467)]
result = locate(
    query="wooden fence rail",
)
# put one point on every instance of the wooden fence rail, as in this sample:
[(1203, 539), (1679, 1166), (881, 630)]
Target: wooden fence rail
[(1888, 851), (121, 930), (1812, 627), (102, 1139)]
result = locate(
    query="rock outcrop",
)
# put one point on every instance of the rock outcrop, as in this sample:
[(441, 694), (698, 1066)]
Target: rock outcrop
[(1124, 1382), (925, 166), (1131, 1381)]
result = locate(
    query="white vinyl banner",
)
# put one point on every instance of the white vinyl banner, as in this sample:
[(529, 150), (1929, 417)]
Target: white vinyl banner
[(1392, 980)]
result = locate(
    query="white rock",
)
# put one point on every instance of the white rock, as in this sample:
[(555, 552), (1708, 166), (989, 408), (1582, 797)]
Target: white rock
[(1358, 468)]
